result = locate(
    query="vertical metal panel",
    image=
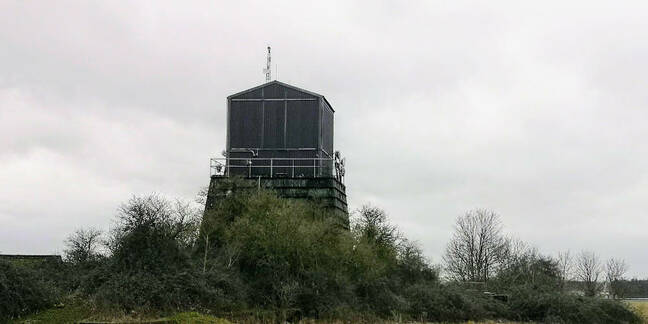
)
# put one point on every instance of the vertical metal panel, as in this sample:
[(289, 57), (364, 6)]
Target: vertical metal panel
[(319, 124), (245, 124), (301, 124), (262, 118), (274, 121), (327, 129), (227, 138), (285, 128)]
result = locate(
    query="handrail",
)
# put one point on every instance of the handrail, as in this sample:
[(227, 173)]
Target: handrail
[(268, 167), (257, 158)]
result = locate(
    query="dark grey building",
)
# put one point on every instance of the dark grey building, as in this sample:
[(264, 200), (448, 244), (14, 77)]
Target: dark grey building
[(281, 137), (279, 123)]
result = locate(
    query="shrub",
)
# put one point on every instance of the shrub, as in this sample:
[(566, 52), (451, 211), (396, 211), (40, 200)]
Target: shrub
[(144, 292), (530, 305), (151, 267), (277, 259), (23, 291), (293, 256), (451, 303), (287, 257)]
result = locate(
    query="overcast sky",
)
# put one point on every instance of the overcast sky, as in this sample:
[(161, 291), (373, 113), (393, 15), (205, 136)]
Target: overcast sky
[(537, 111)]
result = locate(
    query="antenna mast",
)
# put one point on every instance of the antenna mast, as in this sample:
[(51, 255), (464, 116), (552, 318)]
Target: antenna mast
[(268, 69)]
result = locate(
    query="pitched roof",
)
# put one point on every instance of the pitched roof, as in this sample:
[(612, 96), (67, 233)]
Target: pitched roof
[(284, 85)]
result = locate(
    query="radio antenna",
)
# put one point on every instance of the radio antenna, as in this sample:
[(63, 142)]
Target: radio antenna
[(268, 68)]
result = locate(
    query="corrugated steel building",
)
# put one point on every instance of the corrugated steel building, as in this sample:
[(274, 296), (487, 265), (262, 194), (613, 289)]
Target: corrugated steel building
[(282, 137), (280, 122)]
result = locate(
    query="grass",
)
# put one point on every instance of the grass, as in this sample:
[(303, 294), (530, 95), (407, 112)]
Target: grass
[(82, 313), (641, 307), (68, 314), (196, 318), (75, 313)]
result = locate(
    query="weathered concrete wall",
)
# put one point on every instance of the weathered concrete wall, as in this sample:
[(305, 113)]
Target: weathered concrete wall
[(329, 192)]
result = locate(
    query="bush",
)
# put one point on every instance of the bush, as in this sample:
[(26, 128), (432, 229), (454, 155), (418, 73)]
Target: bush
[(151, 266), (295, 258), (23, 291), (261, 256), (451, 303), (533, 284), (287, 257), (143, 292), (531, 305)]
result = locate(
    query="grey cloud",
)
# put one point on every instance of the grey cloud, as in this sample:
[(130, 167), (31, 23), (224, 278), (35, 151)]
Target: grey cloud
[(535, 110)]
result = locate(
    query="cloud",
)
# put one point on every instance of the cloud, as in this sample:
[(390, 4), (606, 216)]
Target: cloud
[(533, 110)]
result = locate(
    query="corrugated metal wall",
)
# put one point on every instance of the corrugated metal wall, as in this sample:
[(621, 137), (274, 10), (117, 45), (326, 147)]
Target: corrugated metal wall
[(245, 123), (274, 120), (327, 128), (279, 122), (301, 125)]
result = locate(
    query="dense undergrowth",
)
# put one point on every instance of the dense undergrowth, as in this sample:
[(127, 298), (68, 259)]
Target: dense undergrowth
[(256, 255)]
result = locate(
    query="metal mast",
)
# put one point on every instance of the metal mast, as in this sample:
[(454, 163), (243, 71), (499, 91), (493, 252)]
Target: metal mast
[(268, 69)]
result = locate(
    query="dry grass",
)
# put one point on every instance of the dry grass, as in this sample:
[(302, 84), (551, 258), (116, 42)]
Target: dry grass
[(641, 307), (498, 322)]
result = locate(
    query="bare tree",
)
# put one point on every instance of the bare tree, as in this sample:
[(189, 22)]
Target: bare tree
[(209, 224), (83, 245), (565, 266), (615, 269), (515, 250), (371, 223), (477, 247), (214, 219), (187, 218), (179, 219), (588, 270)]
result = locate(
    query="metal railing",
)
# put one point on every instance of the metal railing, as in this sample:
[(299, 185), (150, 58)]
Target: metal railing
[(273, 167)]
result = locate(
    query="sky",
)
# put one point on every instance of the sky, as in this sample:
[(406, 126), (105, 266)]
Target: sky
[(536, 110)]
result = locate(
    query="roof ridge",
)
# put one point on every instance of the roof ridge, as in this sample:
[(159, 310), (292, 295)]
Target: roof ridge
[(276, 82), (285, 85)]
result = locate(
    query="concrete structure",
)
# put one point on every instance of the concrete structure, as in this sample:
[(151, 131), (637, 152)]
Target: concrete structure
[(280, 137), (31, 259)]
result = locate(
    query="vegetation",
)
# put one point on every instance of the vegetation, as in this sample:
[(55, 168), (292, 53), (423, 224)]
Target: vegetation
[(255, 255), (640, 307), (70, 313), (634, 288), (23, 290), (196, 318), (588, 271), (477, 248), (77, 311), (615, 269)]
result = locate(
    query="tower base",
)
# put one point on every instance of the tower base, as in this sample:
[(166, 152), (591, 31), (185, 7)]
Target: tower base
[(329, 192)]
